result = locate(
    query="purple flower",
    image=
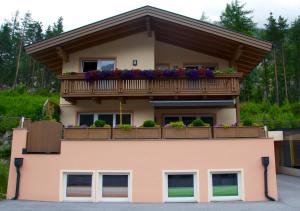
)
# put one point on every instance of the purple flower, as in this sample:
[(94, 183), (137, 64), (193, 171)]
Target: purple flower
[(168, 73), (192, 74), (70, 126), (88, 76), (149, 74), (127, 74), (104, 74), (84, 126), (209, 73)]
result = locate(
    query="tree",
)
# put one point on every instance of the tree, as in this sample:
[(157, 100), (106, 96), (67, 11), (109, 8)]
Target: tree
[(236, 18)]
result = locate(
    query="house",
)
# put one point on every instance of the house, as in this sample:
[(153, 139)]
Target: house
[(151, 65)]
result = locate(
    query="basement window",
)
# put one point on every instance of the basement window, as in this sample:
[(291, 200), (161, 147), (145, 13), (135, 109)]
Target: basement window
[(114, 186), (180, 187), (78, 186), (225, 186), (100, 64)]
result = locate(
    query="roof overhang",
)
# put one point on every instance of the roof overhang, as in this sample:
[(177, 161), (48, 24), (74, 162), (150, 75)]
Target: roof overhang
[(191, 103), (242, 50)]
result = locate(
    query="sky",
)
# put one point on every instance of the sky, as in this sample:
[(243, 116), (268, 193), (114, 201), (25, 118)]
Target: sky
[(77, 13)]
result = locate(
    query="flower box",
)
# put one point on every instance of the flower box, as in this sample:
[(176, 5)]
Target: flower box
[(87, 133), (187, 133), (239, 132), (136, 133)]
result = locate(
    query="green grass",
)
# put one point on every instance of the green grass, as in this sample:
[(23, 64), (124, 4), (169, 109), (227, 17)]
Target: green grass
[(228, 190), (181, 192), (3, 180)]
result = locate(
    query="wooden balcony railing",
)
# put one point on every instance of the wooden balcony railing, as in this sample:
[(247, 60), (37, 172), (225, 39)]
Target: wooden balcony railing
[(76, 86)]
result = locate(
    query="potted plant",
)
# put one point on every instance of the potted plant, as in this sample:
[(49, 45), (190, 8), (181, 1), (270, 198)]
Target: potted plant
[(149, 129), (125, 131), (174, 130), (198, 129)]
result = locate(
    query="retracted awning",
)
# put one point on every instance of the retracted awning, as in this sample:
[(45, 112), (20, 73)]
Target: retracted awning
[(204, 103)]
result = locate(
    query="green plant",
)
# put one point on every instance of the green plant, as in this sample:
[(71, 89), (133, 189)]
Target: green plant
[(99, 123), (198, 123), (126, 126), (149, 123), (178, 124), (226, 126), (230, 70), (3, 179), (247, 122)]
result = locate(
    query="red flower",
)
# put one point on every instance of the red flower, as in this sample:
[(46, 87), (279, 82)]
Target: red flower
[(202, 72)]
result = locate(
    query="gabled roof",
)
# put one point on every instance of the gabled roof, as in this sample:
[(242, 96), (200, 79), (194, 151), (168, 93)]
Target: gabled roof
[(244, 51)]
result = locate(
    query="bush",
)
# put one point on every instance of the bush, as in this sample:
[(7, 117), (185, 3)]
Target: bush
[(126, 126), (247, 122), (149, 123), (198, 123), (177, 125), (99, 123), (3, 179)]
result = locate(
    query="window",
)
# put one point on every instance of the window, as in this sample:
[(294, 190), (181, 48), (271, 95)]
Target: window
[(100, 64), (86, 119), (180, 186), (225, 186), (78, 186), (112, 119), (114, 186), (188, 119)]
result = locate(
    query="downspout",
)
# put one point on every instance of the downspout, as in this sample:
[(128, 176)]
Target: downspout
[(18, 164), (265, 162)]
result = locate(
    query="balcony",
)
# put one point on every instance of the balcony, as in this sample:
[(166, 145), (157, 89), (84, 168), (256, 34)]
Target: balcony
[(75, 86)]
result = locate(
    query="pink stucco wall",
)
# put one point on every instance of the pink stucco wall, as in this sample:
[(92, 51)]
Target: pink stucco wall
[(40, 174)]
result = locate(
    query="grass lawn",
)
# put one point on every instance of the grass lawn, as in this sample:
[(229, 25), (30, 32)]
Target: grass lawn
[(3, 179), (181, 192), (227, 190)]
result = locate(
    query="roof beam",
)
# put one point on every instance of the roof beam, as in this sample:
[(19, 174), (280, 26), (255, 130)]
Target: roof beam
[(62, 54), (148, 27)]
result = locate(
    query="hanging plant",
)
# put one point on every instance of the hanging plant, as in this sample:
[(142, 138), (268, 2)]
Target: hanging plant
[(209, 73), (192, 74)]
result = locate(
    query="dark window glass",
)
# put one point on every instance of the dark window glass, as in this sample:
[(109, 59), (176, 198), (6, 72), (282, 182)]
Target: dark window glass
[(89, 65), (115, 186), (188, 119), (208, 119), (86, 119), (126, 119), (225, 184), (107, 64), (181, 185), (79, 185), (108, 118), (169, 119)]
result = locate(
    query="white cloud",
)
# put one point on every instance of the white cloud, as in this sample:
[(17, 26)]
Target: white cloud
[(79, 13)]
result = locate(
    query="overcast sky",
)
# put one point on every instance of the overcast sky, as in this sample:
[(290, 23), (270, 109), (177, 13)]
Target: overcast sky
[(78, 13)]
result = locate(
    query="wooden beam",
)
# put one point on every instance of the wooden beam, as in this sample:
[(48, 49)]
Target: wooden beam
[(148, 27), (62, 54), (236, 55)]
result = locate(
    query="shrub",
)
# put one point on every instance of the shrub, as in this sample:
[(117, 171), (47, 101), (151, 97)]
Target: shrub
[(3, 179), (126, 126), (198, 123), (177, 125), (247, 122), (99, 123), (149, 123)]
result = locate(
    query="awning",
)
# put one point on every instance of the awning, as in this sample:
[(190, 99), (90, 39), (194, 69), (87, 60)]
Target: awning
[(204, 103)]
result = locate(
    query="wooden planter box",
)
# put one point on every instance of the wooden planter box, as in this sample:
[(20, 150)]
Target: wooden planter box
[(87, 133), (187, 133), (239, 132), (136, 133)]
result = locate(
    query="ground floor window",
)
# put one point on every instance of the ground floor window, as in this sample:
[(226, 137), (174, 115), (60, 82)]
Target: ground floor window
[(225, 186), (113, 119), (114, 186), (78, 186), (180, 186)]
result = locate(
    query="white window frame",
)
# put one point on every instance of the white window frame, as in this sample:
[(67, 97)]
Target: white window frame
[(63, 185), (180, 199), (98, 62), (240, 178), (100, 174), (112, 113)]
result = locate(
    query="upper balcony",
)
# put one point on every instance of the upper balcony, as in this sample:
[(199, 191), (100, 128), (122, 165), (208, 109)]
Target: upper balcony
[(76, 87)]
